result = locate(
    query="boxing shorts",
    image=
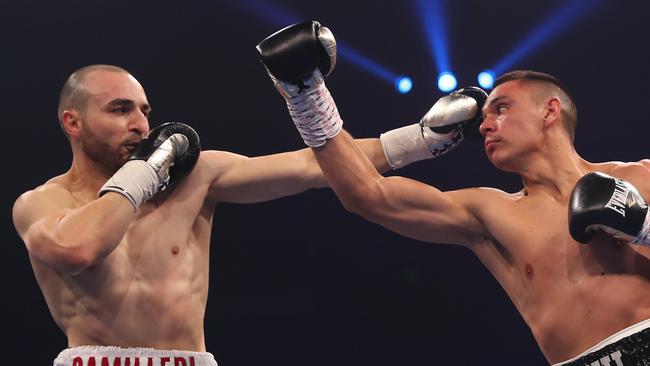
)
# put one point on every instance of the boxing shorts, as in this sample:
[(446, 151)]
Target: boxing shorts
[(117, 356), (629, 347)]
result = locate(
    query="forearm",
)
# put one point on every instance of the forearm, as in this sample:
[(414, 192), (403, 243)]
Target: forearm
[(349, 171), (370, 147), (374, 151), (81, 237)]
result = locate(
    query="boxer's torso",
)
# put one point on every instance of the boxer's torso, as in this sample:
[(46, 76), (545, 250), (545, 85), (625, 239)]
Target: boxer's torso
[(571, 295), (151, 291)]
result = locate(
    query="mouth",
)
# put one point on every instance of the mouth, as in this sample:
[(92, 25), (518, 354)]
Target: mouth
[(131, 144), (129, 147), (490, 145)]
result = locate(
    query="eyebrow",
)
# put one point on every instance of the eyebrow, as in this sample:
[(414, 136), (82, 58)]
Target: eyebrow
[(493, 101), (126, 102)]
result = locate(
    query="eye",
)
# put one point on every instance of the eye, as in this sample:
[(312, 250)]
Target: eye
[(120, 110), (501, 108)]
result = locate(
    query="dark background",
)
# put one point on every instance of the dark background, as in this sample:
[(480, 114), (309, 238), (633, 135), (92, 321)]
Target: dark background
[(299, 281)]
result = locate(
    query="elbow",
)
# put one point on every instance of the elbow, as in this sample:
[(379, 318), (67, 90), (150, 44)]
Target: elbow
[(365, 202), (75, 261), (70, 258)]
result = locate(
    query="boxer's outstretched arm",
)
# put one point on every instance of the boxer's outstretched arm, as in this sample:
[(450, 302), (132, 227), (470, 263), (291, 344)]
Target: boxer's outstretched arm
[(297, 58), (242, 179), (400, 204)]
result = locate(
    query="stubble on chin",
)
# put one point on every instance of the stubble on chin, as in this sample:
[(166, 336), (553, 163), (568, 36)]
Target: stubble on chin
[(106, 157)]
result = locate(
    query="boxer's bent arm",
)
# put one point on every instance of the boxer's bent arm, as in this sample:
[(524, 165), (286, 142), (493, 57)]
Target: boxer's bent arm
[(241, 179), (400, 204), (70, 239)]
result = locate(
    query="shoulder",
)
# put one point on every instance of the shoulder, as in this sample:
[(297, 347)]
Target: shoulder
[(50, 191), (481, 196), (217, 162), (628, 170), (637, 173), (215, 166), (37, 202), (482, 202)]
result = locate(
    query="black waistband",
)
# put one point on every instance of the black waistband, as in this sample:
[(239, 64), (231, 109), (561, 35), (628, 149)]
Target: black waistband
[(633, 350)]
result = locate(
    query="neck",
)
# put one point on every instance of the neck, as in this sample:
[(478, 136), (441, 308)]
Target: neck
[(554, 170), (86, 174)]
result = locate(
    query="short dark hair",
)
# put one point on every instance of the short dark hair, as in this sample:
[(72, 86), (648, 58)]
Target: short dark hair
[(74, 94), (569, 112)]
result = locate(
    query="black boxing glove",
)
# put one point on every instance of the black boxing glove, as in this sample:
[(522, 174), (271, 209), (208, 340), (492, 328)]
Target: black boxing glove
[(440, 130), (601, 202), (164, 157), (183, 163), (298, 58)]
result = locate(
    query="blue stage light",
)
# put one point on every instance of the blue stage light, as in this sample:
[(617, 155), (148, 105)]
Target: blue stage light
[(403, 84), (347, 53), (447, 82), (433, 19), (486, 79), (563, 17)]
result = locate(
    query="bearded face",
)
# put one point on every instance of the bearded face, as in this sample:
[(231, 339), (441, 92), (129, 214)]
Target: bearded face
[(105, 153), (110, 119)]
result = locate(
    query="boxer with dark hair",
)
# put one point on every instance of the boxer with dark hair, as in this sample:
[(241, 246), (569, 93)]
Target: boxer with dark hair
[(571, 252), (119, 243)]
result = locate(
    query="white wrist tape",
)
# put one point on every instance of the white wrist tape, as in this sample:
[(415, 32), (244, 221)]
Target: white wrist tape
[(315, 115), (139, 180), (405, 145), (136, 180), (643, 238)]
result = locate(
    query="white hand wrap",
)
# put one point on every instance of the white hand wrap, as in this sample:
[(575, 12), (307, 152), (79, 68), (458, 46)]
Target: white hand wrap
[(139, 180), (136, 180), (313, 111), (405, 145)]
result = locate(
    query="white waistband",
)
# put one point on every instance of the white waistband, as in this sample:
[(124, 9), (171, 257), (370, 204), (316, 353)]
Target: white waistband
[(137, 356), (611, 339)]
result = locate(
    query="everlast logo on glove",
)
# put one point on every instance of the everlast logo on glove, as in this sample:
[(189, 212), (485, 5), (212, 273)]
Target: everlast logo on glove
[(602, 202), (618, 201)]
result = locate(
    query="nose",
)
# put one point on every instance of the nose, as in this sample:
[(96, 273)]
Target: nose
[(486, 126), (139, 124)]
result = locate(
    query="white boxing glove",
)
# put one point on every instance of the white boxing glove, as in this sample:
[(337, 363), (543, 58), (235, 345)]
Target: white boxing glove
[(441, 129)]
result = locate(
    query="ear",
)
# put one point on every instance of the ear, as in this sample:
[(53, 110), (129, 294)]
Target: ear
[(71, 121), (553, 111)]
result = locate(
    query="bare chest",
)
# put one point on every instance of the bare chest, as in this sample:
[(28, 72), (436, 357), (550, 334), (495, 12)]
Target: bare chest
[(531, 239), (559, 285), (159, 245)]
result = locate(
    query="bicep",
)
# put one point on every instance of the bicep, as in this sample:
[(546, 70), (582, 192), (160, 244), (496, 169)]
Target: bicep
[(422, 212), (35, 214), (241, 179)]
